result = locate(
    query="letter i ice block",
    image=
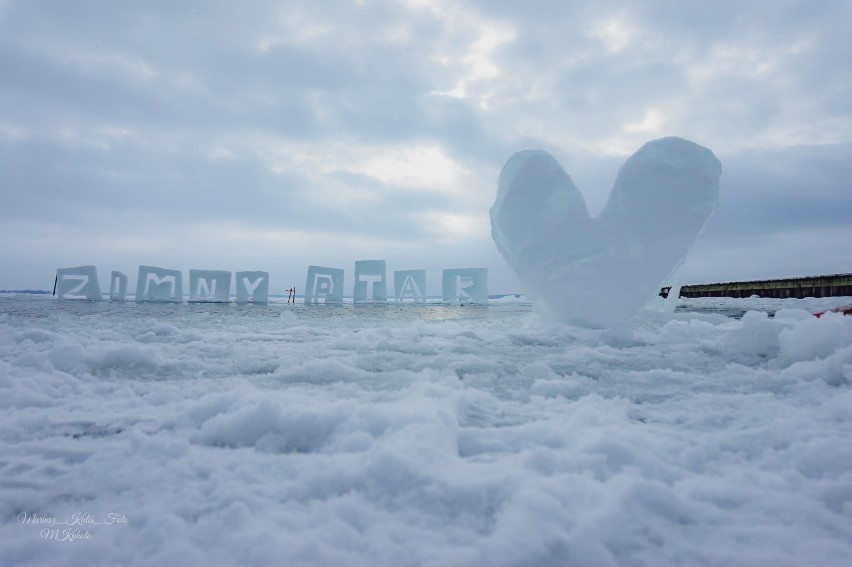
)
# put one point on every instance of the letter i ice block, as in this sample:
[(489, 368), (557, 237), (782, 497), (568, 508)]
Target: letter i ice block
[(117, 286)]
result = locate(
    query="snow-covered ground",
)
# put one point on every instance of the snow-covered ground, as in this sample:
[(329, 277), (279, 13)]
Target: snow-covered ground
[(431, 435)]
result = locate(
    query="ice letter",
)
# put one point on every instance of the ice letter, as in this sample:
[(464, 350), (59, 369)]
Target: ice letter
[(209, 286), (117, 287), (159, 284), (466, 285), (410, 283), (598, 272), (252, 287), (78, 283), (325, 283), (370, 282)]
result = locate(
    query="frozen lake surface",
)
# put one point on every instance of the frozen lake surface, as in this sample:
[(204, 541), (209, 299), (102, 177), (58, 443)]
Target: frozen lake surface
[(423, 435)]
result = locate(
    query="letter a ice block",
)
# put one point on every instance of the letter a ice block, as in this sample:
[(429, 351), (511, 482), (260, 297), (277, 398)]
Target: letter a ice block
[(159, 284), (410, 284)]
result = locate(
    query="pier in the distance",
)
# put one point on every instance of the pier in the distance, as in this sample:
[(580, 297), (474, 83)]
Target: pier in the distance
[(836, 285)]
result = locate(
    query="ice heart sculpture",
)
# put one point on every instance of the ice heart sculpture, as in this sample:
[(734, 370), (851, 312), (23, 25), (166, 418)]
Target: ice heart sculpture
[(598, 272)]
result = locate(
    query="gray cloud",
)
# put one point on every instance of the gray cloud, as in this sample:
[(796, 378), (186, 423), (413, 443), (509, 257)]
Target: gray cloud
[(354, 129)]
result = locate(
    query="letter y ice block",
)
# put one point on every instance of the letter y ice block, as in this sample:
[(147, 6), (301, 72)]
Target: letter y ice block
[(252, 287)]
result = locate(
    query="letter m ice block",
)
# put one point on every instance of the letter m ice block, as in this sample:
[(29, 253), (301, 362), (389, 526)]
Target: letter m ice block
[(159, 284)]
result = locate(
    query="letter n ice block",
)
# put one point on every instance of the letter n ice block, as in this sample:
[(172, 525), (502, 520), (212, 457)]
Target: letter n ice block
[(209, 286)]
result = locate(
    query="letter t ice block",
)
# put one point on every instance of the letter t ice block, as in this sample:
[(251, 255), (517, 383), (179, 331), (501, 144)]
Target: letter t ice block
[(370, 282)]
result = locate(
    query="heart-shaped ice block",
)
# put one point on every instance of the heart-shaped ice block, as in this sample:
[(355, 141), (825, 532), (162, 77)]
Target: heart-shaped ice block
[(598, 272)]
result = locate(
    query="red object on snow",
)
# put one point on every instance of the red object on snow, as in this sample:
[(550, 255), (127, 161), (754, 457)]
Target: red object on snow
[(845, 310)]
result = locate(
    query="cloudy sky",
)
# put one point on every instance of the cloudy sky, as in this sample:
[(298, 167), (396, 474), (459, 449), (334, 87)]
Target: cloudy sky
[(274, 135)]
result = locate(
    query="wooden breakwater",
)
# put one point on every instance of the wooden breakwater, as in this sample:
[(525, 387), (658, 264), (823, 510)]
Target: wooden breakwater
[(816, 286)]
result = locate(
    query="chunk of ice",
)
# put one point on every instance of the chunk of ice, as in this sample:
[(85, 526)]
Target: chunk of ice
[(410, 284), (324, 284), (370, 282), (159, 284), (209, 286), (117, 286), (465, 285), (600, 271), (80, 282), (252, 287)]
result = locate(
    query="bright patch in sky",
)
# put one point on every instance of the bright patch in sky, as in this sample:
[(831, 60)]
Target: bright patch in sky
[(423, 167), (614, 32)]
